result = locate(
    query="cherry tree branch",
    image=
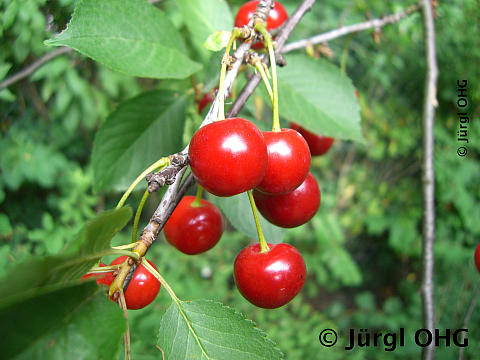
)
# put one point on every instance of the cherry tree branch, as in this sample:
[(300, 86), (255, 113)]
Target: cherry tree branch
[(30, 69), (428, 174), (345, 30)]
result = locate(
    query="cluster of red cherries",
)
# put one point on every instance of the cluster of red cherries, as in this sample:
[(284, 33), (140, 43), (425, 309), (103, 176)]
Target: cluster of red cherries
[(229, 157)]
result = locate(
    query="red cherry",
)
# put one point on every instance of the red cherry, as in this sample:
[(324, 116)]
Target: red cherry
[(194, 229), (102, 278), (292, 209), (270, 279), (277, 16), (206, 99), (228, 157), (318, 144), (477, 257), (288, 161), (142, 289)]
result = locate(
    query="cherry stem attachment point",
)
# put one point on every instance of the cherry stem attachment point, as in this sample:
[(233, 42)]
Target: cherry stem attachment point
[(259, 66), (261, 239), (198, 199), (165, 161), (260, 27), (236, 32)]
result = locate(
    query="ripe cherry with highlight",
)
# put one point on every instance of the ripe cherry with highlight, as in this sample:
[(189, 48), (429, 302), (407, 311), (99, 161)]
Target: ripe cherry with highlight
[(292, 209), (194, 229), (228, 157), (142, 289), (288, 161), (269, 279), (318, 144)]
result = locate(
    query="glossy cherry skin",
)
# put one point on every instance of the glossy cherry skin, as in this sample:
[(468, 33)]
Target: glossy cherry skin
[(228, 157), (292, 209), (477, 257), (102, 278), (288, 161), (277, 16), (318, 144), (142, 289), (194, 229), (270, 279)]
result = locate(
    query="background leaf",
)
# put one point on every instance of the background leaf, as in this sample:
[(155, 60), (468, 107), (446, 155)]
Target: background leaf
[(238, 212), (205, 17), (129, 36), (222, 332), (43, 275), (316, 95), (76, 322), (135, 135)]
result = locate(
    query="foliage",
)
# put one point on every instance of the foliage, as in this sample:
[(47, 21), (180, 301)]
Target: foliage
[(363, 247)]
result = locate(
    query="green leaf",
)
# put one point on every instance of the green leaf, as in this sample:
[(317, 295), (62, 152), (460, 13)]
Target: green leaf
[(205, 17), (238, 211), (129, 36), (208, 330), (138, 133), (38, 276), (76, 322), (96, 234), (316, 95), (218, 40)]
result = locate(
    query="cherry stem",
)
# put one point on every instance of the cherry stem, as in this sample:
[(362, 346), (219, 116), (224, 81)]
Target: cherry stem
[(160, 278), (138, 214), (127, 246), (165, 161), (259, 26), (261, 239), (236, 32), (198, 199), (259, 66), (125, 252), (103, 269), (126, 337)]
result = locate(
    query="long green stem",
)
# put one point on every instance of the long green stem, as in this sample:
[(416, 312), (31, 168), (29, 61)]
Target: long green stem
[(123, 247), (276, 117), (138, 214), (223, 71), (343, 63), (125, 252), (261, 239), (177, 302), (161, 279), (198, 199), (261, 71), (159, 163)]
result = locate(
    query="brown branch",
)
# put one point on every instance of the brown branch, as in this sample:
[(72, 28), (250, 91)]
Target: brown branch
[(345, 30), (30, 69), (428, 175)]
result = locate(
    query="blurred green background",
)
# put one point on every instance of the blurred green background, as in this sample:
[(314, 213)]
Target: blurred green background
[(362, 249)]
